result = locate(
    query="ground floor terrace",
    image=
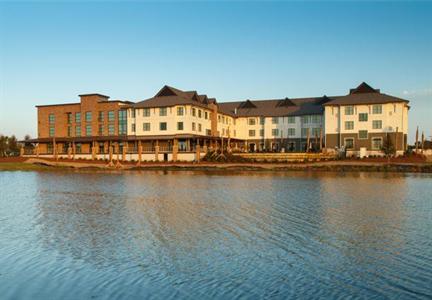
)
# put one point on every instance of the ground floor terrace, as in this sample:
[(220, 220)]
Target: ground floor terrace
[(131, 148), (158, 148)]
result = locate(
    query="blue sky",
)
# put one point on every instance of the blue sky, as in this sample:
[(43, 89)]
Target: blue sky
[(51, 52)]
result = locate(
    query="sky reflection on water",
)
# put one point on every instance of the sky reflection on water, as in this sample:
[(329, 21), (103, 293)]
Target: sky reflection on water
[(214, 235)]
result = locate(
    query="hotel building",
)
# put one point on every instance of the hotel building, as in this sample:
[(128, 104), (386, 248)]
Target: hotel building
[(184, 125)]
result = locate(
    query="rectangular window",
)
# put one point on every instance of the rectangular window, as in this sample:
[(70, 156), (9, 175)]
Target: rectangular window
[(69, 118), (275, 132), (51, 118), (208, 132), (78, 148), (88, 116), (193, 126), (132, 113), (162, 111), (261, 132), (111, 129), (205, 115), (349, 125), (376, 124), (101, 129), (146, 112), (51, 131), (363, 117), (78, 131), (122, 121), (377, 143), (179, 125), (275, 120), (69, 131), (77, 117), (305, 119), (291, 131), (111, 116), (88, 130), (377, 109), (101, 116), (262, 120), (133, 127), (363, 134), (146, 126), (193, 112), (349, 110), (199, 113), (316, 119), (251, 132), (304, 131), (349, 143), (251, 121), (291, 120), (162, 126), (316, 132), (180, 111), (199, 127)]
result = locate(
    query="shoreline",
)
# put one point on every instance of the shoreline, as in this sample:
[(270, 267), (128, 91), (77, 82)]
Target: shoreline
[(33, 164)]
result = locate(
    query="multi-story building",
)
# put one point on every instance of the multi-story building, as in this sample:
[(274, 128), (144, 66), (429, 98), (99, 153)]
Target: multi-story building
[(179, 125), (363, 119)]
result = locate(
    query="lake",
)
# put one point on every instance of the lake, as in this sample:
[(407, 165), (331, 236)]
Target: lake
[(215, 235)]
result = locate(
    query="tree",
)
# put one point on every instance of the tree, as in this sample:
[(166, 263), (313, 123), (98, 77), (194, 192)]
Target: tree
[(13, 148), (388, 148), (3, 145)]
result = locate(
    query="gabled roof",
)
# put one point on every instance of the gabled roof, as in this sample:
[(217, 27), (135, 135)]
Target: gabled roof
[(246, 104), (170, 96), (364, 88), (285, 102), (365, 94), (273, 107)]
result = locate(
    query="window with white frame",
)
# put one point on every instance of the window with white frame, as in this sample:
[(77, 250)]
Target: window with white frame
[(251, 132), (291, 120), (362, 134), (146, 126), (349, 110), (363, 117), (162, 126), (376, 124), (162, 111), (275, 120), (275, 132), (291, 131), (377, 143), (180, 111), (251, 121), (349, 125), (349, 143), (377, 109)]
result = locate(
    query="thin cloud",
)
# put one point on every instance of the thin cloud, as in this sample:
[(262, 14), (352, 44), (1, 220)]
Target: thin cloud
[(420, 92)]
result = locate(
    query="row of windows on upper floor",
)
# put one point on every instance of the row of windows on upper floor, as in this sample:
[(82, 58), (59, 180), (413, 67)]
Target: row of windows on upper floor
[(163, 111), (88, 130), (163, 126), (376, 124), (307, 119), (377, 109), (313, 132), (88, 116)]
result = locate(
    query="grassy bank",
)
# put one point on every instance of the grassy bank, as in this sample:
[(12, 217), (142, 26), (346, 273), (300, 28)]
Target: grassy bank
[(21, 166), (334, 166)]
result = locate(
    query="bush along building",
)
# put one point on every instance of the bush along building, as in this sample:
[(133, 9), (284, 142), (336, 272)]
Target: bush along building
[(183, 125)]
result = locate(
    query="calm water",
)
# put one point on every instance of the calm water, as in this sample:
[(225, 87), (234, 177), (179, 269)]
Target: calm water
[(168, 235)]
